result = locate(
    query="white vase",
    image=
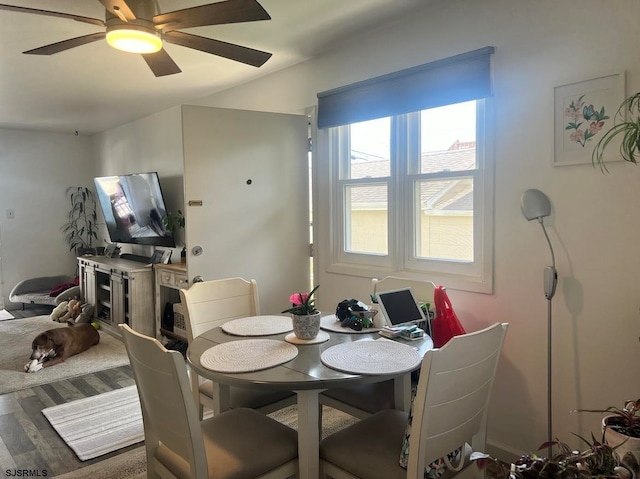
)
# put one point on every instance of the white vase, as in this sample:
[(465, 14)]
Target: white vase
[(306, 326), (625, 444)]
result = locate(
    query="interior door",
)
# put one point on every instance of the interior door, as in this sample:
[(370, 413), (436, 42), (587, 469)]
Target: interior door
[(247, 200)]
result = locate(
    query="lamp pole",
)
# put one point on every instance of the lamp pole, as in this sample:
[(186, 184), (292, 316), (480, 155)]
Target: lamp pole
[(536, 205)]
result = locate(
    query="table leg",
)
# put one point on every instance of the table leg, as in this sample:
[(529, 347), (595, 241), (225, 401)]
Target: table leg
[(221, 398), (308, 434), (402, 392)]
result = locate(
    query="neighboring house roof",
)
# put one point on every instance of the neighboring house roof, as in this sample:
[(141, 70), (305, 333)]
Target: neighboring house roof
[(437, 195)]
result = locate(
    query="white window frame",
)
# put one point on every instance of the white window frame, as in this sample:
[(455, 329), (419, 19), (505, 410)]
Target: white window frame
[(476, 276)]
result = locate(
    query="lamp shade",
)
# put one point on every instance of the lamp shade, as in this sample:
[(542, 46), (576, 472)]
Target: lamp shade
[(134, 40), (535, 204)]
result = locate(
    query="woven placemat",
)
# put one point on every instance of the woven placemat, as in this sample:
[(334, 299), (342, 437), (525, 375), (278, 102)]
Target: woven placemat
[(320, 338), (247, 355), (371, 357), (258, 326), (331, 323)]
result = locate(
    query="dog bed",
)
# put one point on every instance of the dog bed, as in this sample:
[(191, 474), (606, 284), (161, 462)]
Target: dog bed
[(38, 290)]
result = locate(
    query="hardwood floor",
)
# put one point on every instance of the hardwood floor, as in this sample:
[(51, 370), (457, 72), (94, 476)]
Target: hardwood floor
[(27, 440)]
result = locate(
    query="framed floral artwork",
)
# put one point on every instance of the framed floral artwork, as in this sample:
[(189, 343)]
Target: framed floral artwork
[(583, 112)]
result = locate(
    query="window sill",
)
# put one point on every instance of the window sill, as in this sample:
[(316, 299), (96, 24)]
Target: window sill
[(452, 281)]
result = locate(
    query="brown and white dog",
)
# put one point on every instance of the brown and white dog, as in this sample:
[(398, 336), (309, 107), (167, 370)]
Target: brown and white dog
[(56, 345)]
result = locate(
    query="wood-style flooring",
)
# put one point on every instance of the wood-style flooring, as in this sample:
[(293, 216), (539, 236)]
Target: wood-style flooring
[(27, 440)]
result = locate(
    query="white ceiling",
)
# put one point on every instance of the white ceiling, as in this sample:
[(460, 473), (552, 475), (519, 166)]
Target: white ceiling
[(94, 87)]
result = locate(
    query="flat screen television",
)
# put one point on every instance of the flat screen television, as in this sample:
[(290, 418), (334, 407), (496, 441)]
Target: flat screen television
[(133, 208)]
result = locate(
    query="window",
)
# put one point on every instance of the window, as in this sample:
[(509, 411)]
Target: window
[(412, 191)]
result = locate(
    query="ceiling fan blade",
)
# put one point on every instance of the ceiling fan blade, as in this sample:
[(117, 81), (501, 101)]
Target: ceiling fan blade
[(217, 47), (66, 44), (161, 63), (77, 18), (229, 11), (120, 9)]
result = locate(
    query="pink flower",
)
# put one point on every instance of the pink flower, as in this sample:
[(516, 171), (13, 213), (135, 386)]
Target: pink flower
[(577, 136), (298, 298), (303, 303), (595, 126)]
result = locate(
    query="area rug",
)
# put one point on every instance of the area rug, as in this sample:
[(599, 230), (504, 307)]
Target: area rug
[(132, 464), (100, 424), (16, 336), (4, 314)]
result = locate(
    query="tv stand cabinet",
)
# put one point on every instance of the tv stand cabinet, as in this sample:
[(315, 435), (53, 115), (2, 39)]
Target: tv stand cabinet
[(120, 290)]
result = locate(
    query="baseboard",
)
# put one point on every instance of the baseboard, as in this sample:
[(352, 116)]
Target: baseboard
[(503, 452)]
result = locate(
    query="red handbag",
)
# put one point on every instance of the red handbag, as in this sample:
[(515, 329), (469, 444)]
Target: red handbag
[(446, 324)]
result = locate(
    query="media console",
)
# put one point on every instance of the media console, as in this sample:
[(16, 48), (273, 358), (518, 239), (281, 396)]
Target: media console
[(120, 290)]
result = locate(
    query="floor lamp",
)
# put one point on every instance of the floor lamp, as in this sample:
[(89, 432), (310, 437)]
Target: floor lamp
[(536, 206)]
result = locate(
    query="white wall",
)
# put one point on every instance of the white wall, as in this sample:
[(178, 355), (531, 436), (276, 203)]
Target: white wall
[(36, 169), (593, 225), (153, 143)]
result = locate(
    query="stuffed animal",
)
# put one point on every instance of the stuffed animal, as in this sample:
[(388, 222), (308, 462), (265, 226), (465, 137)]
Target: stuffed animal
[(59, 311), (74, 309)]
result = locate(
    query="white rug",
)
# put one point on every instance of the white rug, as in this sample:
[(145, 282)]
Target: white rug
[(16, 336), (4, 314), (100, 424)]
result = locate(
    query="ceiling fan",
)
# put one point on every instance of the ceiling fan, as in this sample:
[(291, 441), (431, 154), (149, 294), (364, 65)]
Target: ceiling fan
[(138, 26)]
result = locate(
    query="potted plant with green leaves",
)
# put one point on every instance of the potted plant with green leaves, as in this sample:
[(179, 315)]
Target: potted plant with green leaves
[(172, 221), (598, 460), (81, 229), (621, 427), (626, 128), (304, 315)]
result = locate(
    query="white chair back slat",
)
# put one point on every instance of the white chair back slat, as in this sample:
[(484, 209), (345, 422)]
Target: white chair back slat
[(451, 402), (169, 412), (212, 303)]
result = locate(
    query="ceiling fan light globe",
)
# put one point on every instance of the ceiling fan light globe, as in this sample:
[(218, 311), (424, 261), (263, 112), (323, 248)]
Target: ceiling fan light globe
[(133, 40)]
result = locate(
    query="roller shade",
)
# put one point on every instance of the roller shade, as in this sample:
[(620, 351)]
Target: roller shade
[(455, 79)]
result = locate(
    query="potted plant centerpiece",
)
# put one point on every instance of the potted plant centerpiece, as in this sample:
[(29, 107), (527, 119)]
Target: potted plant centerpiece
[(304, 315), (80, 229), (621, 428)]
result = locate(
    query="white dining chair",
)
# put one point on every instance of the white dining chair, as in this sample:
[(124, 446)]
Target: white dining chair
[(449, 412), (210, 304), (238, 443), (364, 400)]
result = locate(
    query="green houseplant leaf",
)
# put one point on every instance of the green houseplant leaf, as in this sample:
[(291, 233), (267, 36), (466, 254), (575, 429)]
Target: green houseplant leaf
[(626, 128)]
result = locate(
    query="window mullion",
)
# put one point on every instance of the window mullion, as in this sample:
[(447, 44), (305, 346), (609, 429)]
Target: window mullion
[(412, 167), (397, 196)]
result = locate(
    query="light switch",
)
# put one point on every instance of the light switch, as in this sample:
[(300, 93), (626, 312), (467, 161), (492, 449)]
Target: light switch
[(11, 214)]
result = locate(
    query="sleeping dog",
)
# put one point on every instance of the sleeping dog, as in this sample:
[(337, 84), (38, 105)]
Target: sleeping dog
[(56, 345)]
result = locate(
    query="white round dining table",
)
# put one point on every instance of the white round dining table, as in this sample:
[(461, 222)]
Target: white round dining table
[(307, 376)]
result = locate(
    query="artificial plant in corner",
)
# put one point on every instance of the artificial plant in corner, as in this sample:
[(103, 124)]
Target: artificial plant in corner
[(81, 229), (626, 127)]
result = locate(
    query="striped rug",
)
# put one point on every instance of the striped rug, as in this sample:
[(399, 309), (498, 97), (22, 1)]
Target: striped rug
[(100, 424)]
